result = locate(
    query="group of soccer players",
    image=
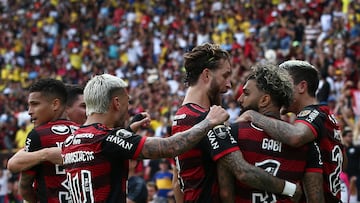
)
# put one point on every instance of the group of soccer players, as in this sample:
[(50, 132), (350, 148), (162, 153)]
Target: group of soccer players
[(93, 164), (258, 159), (308, 152)]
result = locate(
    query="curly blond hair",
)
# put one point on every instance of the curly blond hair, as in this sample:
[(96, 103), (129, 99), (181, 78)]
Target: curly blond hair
[(274, 81)]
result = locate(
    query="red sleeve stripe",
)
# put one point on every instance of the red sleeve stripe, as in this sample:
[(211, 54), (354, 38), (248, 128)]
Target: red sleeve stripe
[(223, 153), (314, 170), (140, 147), (190, 154), (310, 126)]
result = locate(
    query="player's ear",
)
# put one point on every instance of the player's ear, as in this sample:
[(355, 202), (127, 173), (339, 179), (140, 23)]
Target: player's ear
[(115, 102), (56, 104), (265, 100), (205, 75), (302, 87)]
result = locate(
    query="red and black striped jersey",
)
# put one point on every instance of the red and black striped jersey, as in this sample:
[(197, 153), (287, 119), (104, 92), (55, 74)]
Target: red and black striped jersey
[(327, 135), (96, 162), (50, 179), (276, 158), (197, 167)]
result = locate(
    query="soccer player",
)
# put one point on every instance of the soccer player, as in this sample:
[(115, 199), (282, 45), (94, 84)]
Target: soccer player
[(208, 72), (314, 122), (75, 105), (96, 156), (266, 90), (74, 111), (47, 102)]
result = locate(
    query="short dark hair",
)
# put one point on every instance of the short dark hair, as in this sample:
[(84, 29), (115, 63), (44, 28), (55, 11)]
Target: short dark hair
[(203, 56), (73, 91), (303, 71), (50, 88)]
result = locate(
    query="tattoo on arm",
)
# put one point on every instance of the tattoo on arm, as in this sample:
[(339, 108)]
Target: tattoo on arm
[(226, 183), (275, 128), (284, 132), (251, 175), (313, 187), (26, 189), (176, 144)]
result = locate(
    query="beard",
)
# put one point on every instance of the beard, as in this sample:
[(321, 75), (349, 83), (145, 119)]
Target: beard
[(250, 107), (214, 93)]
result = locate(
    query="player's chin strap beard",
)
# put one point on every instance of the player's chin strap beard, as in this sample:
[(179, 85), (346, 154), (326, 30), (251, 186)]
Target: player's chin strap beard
[(272, 114), (215, 99)]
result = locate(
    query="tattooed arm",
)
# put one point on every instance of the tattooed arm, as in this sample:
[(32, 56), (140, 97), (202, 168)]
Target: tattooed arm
[(294, 135), (24, 160), (313, 187), (26, 189), (254, 176), (226, 184), (183, 141)]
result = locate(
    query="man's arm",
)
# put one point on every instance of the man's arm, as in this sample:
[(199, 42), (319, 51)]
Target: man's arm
[(226, 184), (178, 194), (258, 178), (294, 135), (26, 190), (183, 141), (313, 177), (313, 188), (25, 160)]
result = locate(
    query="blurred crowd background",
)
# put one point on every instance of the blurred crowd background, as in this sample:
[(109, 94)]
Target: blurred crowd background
[(143, 42)]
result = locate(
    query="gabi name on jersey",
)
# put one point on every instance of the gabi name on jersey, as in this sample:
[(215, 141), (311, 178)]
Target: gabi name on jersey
[(271, 145)]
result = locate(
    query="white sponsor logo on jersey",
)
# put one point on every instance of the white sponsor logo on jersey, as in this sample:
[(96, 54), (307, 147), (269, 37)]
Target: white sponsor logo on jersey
[(60, 129), (221, 131), (212, 138), (312, 116), (123, 133), (119, 141)]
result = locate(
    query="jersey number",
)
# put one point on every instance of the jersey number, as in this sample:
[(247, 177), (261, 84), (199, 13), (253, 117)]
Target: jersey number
[(180, 180), (334, 177), (64, 196), (272, 167), (80, 187)]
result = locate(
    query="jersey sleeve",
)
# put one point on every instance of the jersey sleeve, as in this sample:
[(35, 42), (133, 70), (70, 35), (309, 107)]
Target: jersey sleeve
[(123, 144), (313, 118), (314, 161), (219, 142), (32, 143)]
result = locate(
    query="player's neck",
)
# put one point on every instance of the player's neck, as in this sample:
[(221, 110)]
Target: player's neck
[(197, 96), (307, 101), (57, 117), (270, 111), (99, 118)]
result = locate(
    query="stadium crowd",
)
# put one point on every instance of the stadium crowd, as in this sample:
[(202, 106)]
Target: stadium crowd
[(143, 42)]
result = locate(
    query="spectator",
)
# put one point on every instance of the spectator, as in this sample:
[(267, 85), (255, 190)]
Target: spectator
[(4, 177), (37, 38), (353, 164), (21, 134), (162, 179), (137, 190), (233, 110), (152, 193)]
